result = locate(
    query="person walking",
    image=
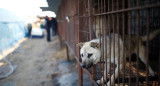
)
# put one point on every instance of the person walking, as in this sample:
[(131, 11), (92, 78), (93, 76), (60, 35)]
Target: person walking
[(47, 27), (29, 27), (53, 25)]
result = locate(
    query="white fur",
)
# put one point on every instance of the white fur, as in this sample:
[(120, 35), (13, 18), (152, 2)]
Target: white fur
[(112, 45)]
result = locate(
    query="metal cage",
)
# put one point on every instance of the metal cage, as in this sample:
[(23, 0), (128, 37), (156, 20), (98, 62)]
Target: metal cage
[(84, 20)]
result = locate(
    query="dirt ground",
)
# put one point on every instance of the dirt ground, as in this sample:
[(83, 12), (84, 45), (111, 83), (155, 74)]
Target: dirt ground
[(42, 63)]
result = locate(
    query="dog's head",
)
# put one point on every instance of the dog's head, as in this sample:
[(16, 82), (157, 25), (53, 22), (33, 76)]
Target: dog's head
[(90, 53)]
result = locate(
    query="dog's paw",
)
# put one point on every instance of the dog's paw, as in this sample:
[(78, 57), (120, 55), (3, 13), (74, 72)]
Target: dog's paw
[(97, 84), (98, 81), (108, 84), (152, 74)]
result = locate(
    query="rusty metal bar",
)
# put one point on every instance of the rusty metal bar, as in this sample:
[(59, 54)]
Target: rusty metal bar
[(133, 79), (100, 38), (98, 7), (94, 67), (105, 6), (88, 73), (82, 16), (118, 41), (130, 9), (159, 64), (80, 71), (129, 14), (101, 6), (123, 37), (78, 61), (89, 13), (110, 49), (90, 77), (109, 42), (90, 30), (80, 75), (85, 32), (103, 51), (138, 25), (108, 6), (93, 74), (147, 52), (113, 40), (67, 53), (113, 45), (103, 40), (112, 5), (86, 21)]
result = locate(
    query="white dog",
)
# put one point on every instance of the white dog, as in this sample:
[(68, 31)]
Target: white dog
[(91, 52)]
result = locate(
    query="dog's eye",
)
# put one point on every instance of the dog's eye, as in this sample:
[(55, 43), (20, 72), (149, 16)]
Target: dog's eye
[(81, 55), (89, 55)]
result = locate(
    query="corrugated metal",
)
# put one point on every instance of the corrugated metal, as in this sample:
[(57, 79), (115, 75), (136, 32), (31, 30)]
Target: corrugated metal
[(53, 5)]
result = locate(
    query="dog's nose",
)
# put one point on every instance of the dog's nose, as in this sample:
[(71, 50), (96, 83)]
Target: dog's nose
[(82, 65)]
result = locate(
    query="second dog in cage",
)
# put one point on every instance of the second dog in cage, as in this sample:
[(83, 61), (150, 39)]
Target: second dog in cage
[(91, 52)]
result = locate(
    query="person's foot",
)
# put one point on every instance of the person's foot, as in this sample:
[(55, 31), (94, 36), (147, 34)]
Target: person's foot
[(49, 40)]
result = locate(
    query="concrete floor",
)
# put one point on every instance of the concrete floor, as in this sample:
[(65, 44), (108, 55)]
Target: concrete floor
[(42, 63)]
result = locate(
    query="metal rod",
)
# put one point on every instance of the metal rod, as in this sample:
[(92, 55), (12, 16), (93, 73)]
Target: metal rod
[(98, 7), (159, 64), (138, 25), (90, 77), (108, 6), (67, 53), (113, 39), (118, 41), (123, 32), (109, 48), (100, 37), (113, 45), (103, 50), (147, 52), (80, 75), (105, 6), (105, 33), (101, 6), (102, 24), (109, 42), (112, 5), (89, 13), (90, 30), (130, 9), (80, 71), (94, 67), (129, 14)]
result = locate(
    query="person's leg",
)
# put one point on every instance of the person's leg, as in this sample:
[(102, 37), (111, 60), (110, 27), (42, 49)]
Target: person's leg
[(48, 35), (29, 32), (53, 31)]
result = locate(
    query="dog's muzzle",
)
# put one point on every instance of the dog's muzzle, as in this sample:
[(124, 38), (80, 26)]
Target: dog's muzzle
[(82, 65), (86, 66)]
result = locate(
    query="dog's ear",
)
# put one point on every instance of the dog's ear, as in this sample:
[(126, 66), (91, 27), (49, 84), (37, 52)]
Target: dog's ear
[(95, 45), (80, 44)]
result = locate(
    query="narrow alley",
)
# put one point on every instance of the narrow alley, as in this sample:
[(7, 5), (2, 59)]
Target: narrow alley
[(42, 63)]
